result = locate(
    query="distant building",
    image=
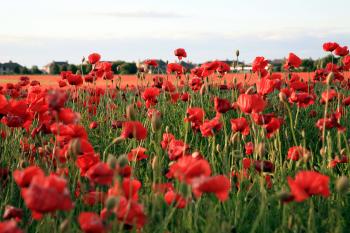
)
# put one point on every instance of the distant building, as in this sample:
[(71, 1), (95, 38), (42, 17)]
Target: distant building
[(10, 68), (49, 68)]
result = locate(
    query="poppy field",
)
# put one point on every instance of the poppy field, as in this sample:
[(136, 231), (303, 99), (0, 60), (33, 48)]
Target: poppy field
[(201, 150)]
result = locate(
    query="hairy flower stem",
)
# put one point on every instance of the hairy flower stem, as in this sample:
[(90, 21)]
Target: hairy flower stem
[(291, 123)]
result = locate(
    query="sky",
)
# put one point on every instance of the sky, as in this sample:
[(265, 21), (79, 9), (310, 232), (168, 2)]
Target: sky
[(36, 32)]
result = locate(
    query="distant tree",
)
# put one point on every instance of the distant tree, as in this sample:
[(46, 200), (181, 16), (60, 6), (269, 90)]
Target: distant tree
[(72, 68), (115, 66), (308, 65), (17, 70), (54, 69), (64, 68), (128, 68), (35, 70), (24, 70)]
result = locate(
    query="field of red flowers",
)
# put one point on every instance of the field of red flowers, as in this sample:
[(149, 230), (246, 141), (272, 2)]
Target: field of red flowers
[(202, 150)]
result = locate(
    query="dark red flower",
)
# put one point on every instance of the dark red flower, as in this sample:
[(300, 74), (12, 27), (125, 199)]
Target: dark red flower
[(195, 116), (330, 46), (94, 58), (273, 126), (9, 227), (240, 125), (151, 62), (341, 51), (292, 61), (251, 103), (23, 178), (180, 53), (297, 152), (178, 200), (100, 173), (259, 64), (308, 183), (137, 154), (302, 99), (221, 105), (175, 67), (134, 129), (12, 212), (210, 127), (90, 222), (219, 185), (47, 194), (150, 96)]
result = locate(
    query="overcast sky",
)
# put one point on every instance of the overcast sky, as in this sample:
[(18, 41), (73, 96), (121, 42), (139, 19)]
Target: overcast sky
[(39, 31)]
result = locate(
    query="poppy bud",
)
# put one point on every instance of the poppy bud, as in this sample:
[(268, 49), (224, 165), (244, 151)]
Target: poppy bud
[(122, 161), (330, 78), (218, 149), (111, 202), (323, 151), (111, 161), (284, 196), (282, 97), (156, 121), (74, 147), (260, 149), (154, 162), (342, 185), (12, 212), (167, 129), (237, 53), (64, 225), (131, 112)]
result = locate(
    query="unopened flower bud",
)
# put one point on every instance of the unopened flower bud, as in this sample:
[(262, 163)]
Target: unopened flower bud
[(111, 202), (154, 162), (122, 161), (237, 53), (74, 147), (156, 121), (131, 112), (342, 185), (112, 161), (284, 196), (283, 97)]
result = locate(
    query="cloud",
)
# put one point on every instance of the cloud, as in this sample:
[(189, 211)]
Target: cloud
[(141, 14)]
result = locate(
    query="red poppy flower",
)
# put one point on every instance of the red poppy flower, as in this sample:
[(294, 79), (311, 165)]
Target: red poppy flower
[(346, 62), (185, 97), (180, 53), (167, 138), (175, 67), (75, 79), (134, 129), (302, 99), (187, 168), (297, 152), (168, 86), (249, 148), (94, 197), (100, 173), (259, 64), (176, 149), (178, 200), (330, 46), (341, 51), (240, 125), (196, 83), (94, 58), (328, 96), (219, 185), (334, 162), (195, 116), (150, 96), (9, 227), (151, 62), (24, 177), (292, 61), (330, 122), (273, 126), (266, 86), (47, 194), (90, 222), (221, 105), (210, 127), (12, 212), (137, 154), (308, 183), (262, 119), (251, 103)]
